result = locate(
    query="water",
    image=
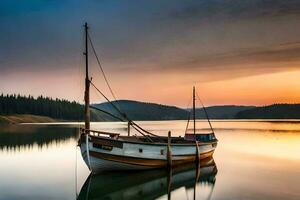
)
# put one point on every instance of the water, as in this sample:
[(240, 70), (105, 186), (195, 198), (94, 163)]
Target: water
[(253, 160)]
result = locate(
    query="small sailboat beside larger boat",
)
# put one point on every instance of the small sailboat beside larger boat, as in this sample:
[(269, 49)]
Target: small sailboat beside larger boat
[(106, 151)]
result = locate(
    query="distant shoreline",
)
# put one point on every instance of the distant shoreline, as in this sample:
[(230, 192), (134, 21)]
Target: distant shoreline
[(36, 119), (25, 118), (16, 109)]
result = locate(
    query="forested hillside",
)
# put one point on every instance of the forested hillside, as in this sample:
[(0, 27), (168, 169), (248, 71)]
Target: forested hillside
[(12, 105), (276, 111), (44, 106), (221, 112), (136, 110)]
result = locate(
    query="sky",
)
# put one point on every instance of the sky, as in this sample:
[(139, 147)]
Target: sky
[(242, 52)]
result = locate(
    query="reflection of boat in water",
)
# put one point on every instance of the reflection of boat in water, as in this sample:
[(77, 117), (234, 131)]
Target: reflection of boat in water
[(150, 184)]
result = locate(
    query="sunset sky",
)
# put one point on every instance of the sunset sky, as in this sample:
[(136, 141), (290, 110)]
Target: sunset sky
[(244, 52)]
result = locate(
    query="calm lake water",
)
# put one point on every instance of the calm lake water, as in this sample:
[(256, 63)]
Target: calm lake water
[(253, 160)]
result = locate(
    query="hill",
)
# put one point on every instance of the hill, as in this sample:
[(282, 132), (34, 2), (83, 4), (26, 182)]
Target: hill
[(136, 110), (221, 112), (275, 111), (151, 111), (16, 109)]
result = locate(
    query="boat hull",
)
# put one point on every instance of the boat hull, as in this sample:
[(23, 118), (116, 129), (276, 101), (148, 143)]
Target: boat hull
[(122, 155)]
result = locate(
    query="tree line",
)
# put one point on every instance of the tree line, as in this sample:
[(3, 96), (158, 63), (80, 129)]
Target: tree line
[(275, 111), (45, 106)]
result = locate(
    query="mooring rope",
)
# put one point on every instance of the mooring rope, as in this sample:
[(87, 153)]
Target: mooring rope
[(76, 172)]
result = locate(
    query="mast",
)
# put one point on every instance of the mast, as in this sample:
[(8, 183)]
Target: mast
[(87, 82), (194, 111)]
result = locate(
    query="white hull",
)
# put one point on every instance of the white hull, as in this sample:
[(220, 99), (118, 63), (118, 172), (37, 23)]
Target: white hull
[(140, 156)]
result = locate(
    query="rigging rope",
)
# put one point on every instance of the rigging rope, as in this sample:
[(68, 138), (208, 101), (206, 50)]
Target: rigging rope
[(188, 122), (117, 109), (118, 118), (112, 93), (143, 134), (189, 115), (76, 172), (123, 114), (108, 113), (206, 114), (101, 68)]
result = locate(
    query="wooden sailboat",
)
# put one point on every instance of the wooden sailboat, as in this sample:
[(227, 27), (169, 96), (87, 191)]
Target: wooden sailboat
[(104, 151)]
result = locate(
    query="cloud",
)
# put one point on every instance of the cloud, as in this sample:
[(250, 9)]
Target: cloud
[(208, 40), (236, 9), (220, 66), (283, 53)]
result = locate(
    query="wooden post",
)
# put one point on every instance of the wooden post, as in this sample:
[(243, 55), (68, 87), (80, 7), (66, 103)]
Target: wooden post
[(87, 84), (169, 151), (128, 128), (197, 159), (88, 150), (169, 182), (197, 175), (194, 111), (87, 97)]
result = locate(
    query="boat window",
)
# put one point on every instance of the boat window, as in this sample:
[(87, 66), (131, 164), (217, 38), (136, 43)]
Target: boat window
[(104, 147), (161, 152), (141, 150)]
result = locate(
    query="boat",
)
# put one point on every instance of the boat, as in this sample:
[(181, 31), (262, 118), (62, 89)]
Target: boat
[(109, 151), (151, 184)]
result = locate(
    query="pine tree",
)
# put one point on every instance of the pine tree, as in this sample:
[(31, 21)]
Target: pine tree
[(54, 108)]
